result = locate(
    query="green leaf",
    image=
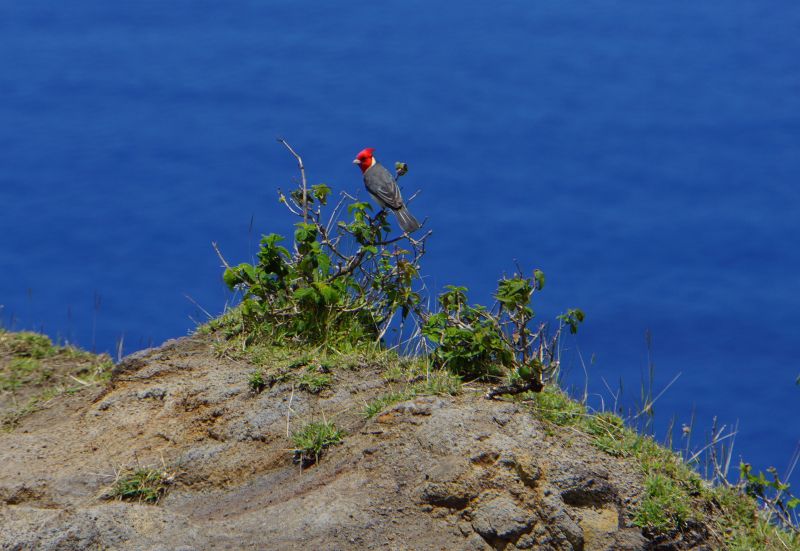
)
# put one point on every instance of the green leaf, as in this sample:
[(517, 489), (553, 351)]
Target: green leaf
[(321, 192), (538, 276), (323, 263), (400, 168), (231, 278), (793, 503), (250, 271), (306, 294), (328, 293), (358, 207)]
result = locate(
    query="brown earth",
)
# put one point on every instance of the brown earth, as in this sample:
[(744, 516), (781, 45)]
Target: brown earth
[(434, 472)]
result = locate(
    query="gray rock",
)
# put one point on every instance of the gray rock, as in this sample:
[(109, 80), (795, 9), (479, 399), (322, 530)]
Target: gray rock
[(581, 487), (561, 523), (156, 393), (501, 518), (420, 406), (629, 539)]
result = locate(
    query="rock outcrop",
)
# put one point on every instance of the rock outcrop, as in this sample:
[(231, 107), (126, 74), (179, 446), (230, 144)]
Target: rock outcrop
[(433, 472)]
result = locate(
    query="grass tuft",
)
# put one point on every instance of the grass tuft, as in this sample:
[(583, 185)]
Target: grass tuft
[(438, 382), (26, 344), (552, 404), (313, 439), (33, 371), (611, 435), (665, 507), (373, 408), (314, 382), (142, 485)]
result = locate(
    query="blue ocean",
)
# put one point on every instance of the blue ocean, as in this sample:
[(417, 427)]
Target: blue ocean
[(644, 155)]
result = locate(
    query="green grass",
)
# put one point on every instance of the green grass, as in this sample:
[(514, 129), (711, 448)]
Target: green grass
[(374, 407), (313, 439), (313, 379), (17, 372), (552, 404), (142, 485), (26, 344), (665, 506), (314, 382), (611, 435), (34, 371), (438, 382), (746, 528)]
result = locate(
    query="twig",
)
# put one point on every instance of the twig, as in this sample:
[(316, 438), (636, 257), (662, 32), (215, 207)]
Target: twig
[(648, 405), (302, 176), (289, 411), (84, 383), (517, 388), (219, 254), (193, 301)]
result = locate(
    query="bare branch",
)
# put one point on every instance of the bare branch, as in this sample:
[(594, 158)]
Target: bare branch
[(282, 198), (219, 254), (302, 176)]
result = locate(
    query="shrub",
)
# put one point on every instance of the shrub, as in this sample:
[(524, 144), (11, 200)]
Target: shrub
[(477, 342), (341, 283), (469, 341)]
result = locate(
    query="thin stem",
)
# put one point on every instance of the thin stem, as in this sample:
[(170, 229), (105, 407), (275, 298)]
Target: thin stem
[(302, 177)]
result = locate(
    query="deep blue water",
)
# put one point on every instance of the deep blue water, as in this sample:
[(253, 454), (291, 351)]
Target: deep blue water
[(645, 156)]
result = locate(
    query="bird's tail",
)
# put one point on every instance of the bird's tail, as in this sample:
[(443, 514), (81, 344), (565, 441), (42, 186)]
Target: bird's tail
[(407, 221)]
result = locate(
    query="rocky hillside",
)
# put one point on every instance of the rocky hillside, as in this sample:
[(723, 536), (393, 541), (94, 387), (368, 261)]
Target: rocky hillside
[(198, 445)]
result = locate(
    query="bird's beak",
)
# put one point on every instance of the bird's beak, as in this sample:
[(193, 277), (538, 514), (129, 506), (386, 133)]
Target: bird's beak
[(356, 161)]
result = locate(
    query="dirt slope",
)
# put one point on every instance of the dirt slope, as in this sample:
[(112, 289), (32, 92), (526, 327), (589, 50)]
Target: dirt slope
[(430, 473)]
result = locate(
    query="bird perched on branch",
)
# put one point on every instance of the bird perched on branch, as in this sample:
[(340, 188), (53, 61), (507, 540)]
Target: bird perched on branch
[(384, 189)]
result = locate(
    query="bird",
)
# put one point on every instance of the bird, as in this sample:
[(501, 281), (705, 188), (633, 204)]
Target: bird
[(382, 186)]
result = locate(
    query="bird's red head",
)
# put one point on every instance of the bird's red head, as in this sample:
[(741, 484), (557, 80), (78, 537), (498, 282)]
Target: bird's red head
[(364, 159)]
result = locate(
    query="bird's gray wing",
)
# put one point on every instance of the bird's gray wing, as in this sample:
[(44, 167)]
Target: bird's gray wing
[(383, 187)]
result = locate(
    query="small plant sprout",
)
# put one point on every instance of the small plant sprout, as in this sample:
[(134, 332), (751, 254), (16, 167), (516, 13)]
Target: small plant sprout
[(313, 439), (256, 381)]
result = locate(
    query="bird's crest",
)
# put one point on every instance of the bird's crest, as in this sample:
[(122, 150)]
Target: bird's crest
[(365, 153)]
